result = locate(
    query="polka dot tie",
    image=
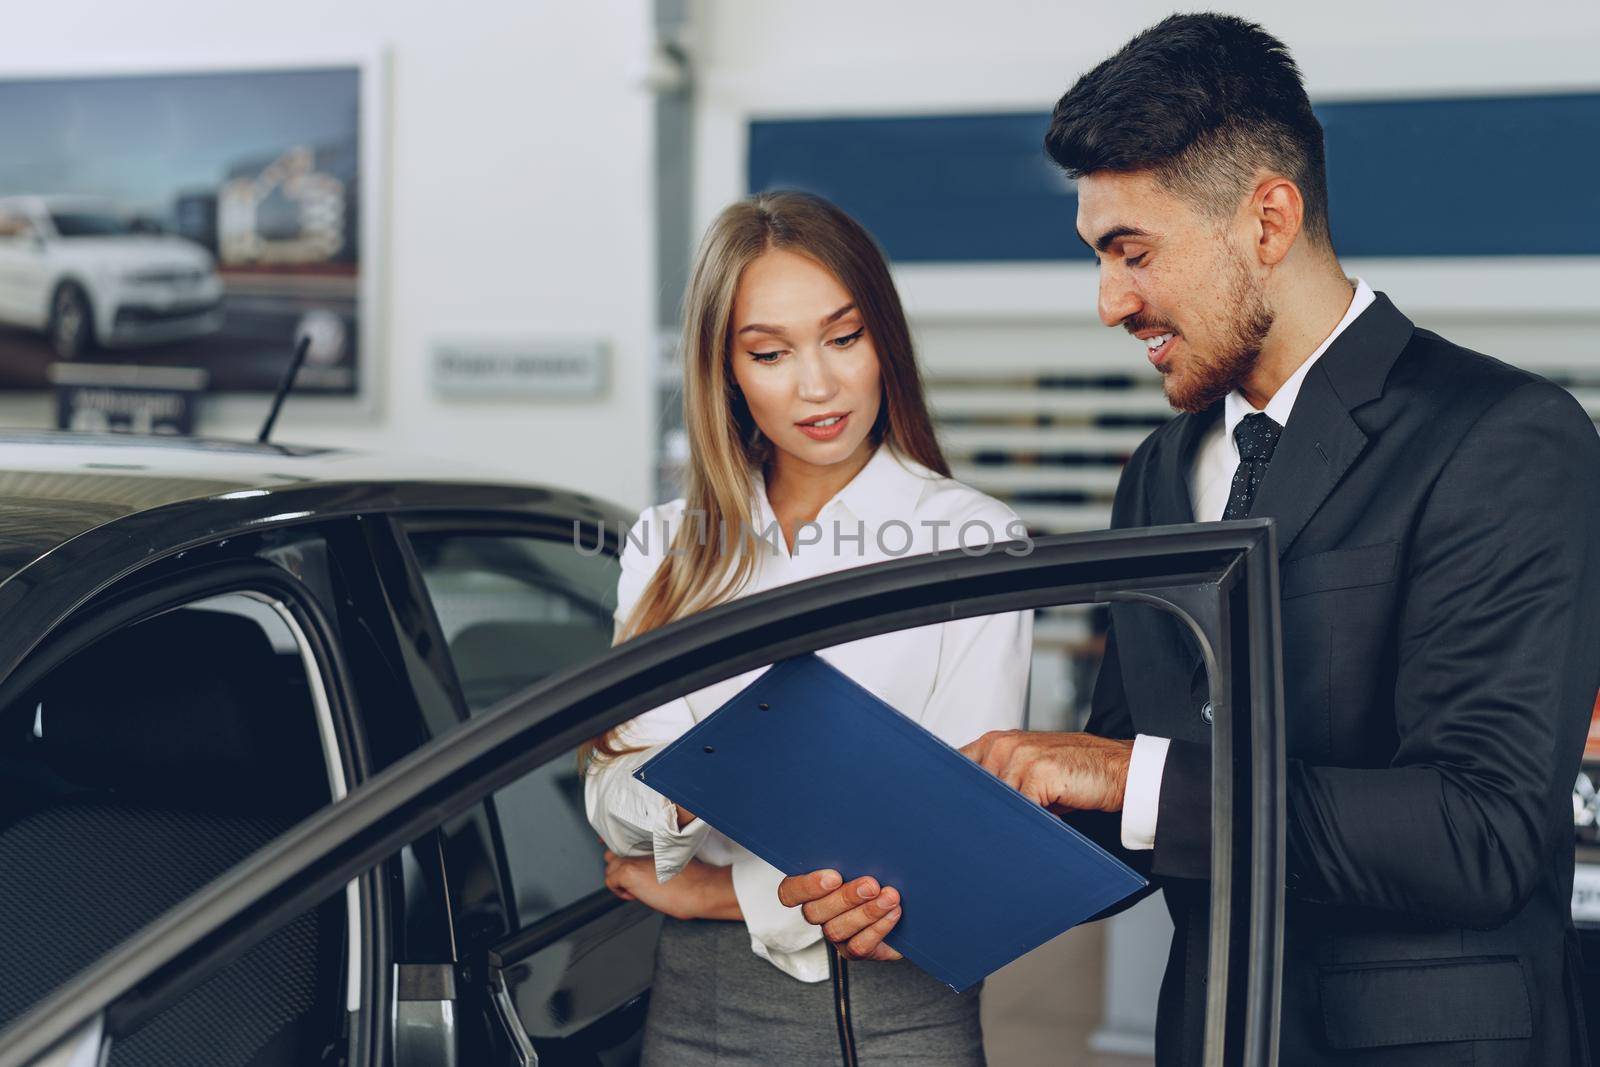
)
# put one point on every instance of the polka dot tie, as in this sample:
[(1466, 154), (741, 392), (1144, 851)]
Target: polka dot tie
[(1256, 436)]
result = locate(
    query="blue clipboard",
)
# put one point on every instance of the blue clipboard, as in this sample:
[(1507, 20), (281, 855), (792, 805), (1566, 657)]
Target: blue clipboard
[(808, 770)]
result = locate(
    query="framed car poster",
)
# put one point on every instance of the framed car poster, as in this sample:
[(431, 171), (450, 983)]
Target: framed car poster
[(199, 215)]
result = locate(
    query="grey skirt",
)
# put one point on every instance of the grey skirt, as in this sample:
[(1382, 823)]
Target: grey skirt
[(713, 1001)]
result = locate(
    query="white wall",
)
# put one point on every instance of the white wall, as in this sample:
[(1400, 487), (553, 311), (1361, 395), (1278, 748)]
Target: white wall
[(829, 57), (518, 203), (881, 57)]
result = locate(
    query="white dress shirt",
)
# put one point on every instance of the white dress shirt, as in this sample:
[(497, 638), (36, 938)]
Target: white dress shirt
[(1210, 480), (957, 679)]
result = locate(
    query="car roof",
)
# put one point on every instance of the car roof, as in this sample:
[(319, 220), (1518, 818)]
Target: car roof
[(52, 201), (57, 486), (60, 200)]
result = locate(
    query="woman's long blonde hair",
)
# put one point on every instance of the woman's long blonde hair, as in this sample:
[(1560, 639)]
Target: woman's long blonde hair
[(725, 447)]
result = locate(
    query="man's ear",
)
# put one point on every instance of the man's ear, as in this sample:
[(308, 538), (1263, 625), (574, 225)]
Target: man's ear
[(1279, 212)]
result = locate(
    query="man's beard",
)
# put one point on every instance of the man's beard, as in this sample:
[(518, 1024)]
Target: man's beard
[(1207, 379)]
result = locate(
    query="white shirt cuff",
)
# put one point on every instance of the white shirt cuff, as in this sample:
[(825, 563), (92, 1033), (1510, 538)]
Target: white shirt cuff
[(779, 935), (1142, 801), (672, 845)]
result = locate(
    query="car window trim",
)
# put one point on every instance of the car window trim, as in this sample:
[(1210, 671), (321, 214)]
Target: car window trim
[(1220, 579), (338, 786), (84, 1048), (403, 586)]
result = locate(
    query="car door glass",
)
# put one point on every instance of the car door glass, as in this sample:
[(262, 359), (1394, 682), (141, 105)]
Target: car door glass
[(514, 609)]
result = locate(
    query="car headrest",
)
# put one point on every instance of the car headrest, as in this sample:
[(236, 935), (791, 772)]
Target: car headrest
[(191, 709), (496, 658)]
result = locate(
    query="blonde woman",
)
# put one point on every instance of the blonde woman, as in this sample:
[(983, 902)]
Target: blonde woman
[(811, 450)]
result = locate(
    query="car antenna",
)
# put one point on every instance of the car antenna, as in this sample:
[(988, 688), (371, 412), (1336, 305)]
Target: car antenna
[(284, 386)]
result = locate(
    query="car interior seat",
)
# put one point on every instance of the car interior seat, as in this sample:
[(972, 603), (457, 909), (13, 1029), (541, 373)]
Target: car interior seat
[(155, 760)]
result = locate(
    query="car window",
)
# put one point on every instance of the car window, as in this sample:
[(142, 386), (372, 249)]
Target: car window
[(14, 226), (513, 609), (163, 753), (90, 224)]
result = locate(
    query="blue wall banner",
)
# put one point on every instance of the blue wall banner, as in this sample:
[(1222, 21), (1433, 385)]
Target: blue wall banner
[(1471, 176)]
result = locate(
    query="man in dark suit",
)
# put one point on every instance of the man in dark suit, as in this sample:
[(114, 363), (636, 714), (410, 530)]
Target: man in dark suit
[(1437, 521)]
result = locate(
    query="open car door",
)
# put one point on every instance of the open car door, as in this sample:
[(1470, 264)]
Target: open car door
[(1219, 580)]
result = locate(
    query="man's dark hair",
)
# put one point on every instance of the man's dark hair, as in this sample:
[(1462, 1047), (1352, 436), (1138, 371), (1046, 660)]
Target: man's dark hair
[(1201, 101)]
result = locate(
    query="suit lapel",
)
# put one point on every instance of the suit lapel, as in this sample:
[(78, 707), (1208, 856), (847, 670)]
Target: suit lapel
[(1317, 446), (1321, 440)]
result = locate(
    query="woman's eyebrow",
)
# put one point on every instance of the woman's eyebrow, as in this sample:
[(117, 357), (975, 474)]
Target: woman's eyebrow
[(837, 315), (778, 331)]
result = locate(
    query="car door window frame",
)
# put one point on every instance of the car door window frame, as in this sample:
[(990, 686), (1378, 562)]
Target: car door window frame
[(524, 938), (430, 665), (412, 615), (1219, 579), (406, 587), (143, 598)]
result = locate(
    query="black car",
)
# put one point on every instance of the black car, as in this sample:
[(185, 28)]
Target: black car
[(287, 750)]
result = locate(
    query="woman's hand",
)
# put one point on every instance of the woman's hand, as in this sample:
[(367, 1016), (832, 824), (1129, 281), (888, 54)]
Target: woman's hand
[(699, 891)]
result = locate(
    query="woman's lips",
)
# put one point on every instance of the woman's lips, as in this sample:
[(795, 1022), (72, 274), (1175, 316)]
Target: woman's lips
[(824, 433)]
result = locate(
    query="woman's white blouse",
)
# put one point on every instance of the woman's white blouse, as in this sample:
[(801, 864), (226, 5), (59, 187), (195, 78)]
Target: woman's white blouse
[(958, 679)]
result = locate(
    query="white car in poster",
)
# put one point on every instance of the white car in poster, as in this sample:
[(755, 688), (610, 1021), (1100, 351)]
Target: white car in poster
[(77, 270)]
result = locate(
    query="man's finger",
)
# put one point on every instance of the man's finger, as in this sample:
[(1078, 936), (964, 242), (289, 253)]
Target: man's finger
[(852, 922), (803, 888), (848, 896), (886, 954), (867, 942)]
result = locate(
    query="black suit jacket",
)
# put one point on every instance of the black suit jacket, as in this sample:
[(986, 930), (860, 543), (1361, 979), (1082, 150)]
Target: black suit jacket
[(1439, 536)]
